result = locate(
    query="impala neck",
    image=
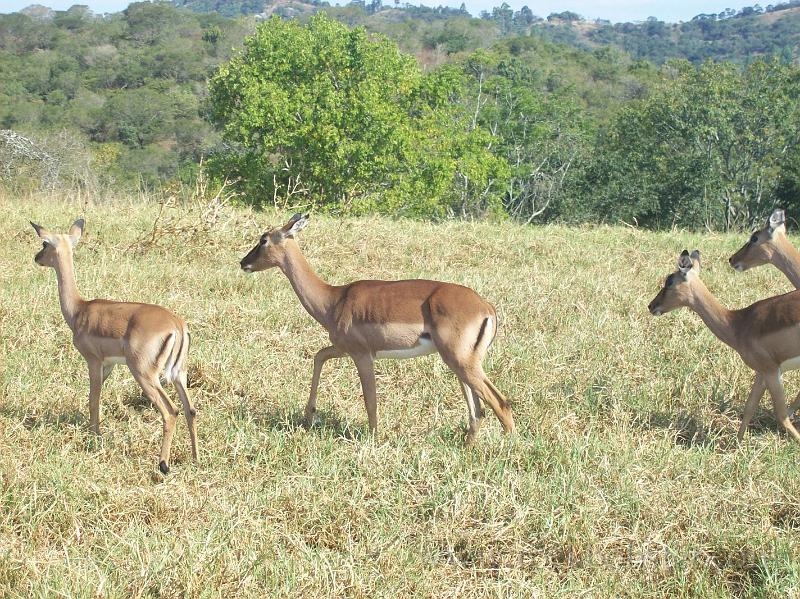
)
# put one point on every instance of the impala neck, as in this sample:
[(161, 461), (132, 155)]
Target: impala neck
[(68, 294), (314, 293), (787, 260), (716, 317)]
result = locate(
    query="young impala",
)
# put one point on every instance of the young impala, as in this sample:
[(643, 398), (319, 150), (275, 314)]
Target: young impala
[(389, 319), (149, 339), (766, 335), (769, 245)]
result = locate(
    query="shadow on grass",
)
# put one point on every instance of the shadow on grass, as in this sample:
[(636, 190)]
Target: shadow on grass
[(688, 431), (290, 420), (53, 421), (691, 432), (47, 418), (136, 400)]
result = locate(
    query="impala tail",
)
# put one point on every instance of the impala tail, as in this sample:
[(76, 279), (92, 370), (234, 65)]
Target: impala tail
[(176, 346)]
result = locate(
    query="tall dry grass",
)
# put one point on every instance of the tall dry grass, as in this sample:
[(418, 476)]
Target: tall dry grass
[(624, 478)]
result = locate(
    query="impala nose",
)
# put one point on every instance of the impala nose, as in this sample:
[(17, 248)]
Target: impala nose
[(654, 309), (245, 266)]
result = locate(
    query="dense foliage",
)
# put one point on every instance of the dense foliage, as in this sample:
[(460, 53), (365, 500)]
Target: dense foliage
[(347, 121), (411, 111), (128, 87), (710, 145)]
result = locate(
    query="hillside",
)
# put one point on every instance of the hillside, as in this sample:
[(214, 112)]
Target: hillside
[(730, 35), (624, 477), (123, 95)]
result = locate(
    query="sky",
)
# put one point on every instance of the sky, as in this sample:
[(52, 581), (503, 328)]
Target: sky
[(614, 10)]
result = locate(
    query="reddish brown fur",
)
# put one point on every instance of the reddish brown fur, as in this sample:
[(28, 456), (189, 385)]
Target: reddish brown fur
[(148, 338), (769, 245), (366, 318), (766, 334)]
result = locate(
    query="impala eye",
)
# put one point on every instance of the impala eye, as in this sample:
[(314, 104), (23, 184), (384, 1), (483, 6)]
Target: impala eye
[(754, 238)]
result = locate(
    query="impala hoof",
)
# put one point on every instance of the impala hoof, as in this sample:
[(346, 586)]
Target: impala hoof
[(162, 465)]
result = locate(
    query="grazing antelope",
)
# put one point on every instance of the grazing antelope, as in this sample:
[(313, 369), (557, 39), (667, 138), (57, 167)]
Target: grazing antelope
[(149, 339), (389, 319), (766, 334), (769, 245)]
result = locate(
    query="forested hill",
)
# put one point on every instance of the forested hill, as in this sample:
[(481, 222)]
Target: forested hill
[(440, 114), (735, 35), (129, 88)]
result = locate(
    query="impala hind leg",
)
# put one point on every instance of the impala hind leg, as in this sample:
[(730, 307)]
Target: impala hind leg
[(322, 356), (189, 411), (153, 390), (366, 372), (756, 393), (474, 411), (480, 384), (775, 386)]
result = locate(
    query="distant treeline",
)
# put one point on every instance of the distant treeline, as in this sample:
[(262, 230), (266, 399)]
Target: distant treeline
[(443, 116)]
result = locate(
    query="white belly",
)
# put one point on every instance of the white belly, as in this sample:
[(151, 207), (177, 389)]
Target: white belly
[(792, 364), (111, 360), (423, 347)]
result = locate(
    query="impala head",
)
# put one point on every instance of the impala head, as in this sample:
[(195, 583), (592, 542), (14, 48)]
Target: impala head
[(677, 290), (762, 244), (269, 250), (55, 245)]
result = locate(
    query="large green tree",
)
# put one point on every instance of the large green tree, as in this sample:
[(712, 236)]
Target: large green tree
[(346, 120), (708, 146)]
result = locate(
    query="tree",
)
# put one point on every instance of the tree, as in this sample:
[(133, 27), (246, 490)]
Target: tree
[(538, 136), (708, 146), (344, 117)]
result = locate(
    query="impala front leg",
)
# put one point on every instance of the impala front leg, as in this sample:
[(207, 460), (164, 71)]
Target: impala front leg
[(95, 385), (756, 393), (322, 356), (366, 372)]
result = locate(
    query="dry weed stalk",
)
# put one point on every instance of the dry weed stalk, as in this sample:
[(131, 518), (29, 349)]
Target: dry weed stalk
[(192, 218)]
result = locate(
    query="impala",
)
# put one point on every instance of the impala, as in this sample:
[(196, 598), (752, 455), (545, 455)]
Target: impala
[(389, 319), (769, 245), (149, 339), (766, 335)]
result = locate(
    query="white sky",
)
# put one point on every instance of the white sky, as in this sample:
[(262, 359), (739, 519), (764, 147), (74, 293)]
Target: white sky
[(614, 10)]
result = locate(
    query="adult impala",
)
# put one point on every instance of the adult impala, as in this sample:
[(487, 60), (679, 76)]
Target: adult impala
[(389, 319), (769, 245), (766, 335), (149, 339)]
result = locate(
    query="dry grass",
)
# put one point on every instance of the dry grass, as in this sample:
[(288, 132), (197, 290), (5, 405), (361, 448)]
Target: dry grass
[(624, 478)]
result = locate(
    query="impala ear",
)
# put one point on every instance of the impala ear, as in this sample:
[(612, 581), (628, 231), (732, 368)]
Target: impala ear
[(685, 262), (75, 231), (695, 256), (296, 224), (40, 231), (776, 219)]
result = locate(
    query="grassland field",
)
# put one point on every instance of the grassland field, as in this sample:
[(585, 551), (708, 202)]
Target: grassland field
[(624, 478)]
